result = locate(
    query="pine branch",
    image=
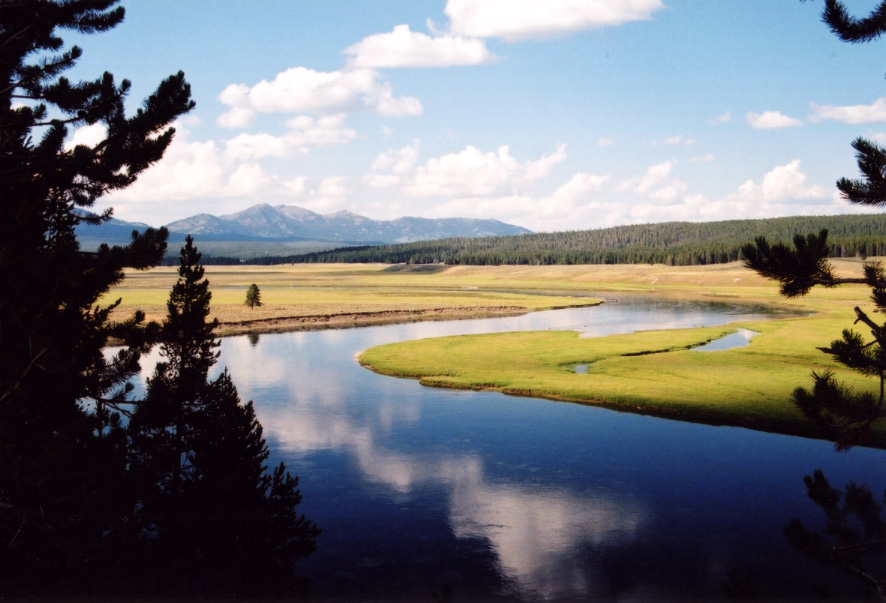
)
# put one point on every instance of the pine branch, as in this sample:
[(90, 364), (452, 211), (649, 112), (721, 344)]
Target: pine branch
[(852, 29)]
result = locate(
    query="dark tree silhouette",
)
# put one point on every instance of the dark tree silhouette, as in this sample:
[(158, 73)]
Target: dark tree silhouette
[(846, 415), (63, 495), (219, 521), (253, 296), (854, 539)]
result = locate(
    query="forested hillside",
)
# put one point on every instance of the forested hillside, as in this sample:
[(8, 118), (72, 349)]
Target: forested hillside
[(675, 243)]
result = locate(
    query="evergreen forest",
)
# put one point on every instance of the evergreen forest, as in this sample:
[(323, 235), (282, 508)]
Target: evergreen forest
[(671, 243)]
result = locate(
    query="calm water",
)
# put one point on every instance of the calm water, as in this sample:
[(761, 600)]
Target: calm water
[(422, 491)]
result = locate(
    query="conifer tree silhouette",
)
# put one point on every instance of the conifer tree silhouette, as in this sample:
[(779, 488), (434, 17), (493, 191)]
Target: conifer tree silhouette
[(854, 539), (223, 524), (64, 493)]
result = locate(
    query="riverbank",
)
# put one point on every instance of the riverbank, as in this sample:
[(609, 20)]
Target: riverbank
[(649, 373), (323, 296), (655, 372), (313, 322)]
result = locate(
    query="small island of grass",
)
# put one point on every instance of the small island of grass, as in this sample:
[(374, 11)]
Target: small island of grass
[(648, 372)]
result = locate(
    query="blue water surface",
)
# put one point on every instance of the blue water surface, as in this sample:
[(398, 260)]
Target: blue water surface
[(479, 496)]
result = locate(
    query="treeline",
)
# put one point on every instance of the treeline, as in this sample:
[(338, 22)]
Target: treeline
[(672, 243)]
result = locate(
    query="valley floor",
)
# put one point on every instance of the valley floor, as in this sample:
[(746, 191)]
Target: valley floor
[(748, 387)]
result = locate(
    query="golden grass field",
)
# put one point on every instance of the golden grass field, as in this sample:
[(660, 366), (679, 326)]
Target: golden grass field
[(749, 386)]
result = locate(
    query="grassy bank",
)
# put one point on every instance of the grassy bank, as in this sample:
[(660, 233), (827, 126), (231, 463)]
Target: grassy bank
[(653, 372), (340, 295), (311, 296)]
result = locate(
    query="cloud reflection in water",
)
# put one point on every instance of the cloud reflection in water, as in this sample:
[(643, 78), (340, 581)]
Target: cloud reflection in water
[(536, 531)]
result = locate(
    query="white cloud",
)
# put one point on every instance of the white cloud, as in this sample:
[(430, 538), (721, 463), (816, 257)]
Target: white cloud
[(236, 117), (571, 204), (783, 184), (405, 48), (472, 172), (386, 104), (208, 179), (334, 186), (255, 146), (581, 187), (854, 114), (656, 176), (329, 195), (674, 141), (188, 169), (305, 133), (524, 19), (381, 180), (771, 119), (88, 136), (398, 161), (725, 118), (248, 179), (703, 159), (303, 90), (542, 168), (605, 142), (295, 186), (656, 184)]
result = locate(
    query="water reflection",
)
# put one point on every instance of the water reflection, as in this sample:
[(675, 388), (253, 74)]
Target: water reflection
[(503, 497), (534, 532), (739, 339)]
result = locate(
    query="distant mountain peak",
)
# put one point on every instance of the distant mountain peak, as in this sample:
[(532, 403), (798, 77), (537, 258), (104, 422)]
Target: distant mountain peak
[(264, 222)]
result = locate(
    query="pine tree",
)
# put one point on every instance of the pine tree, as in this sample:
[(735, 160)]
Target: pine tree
[(253, 296), (846, 415), (63, 491), (222, 524), (854, 539)]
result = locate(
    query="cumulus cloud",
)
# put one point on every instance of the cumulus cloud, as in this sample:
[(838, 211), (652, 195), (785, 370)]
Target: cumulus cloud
[(303, 90), (769, 120), (87, 136), (397, 161), (854, 114), (473, 172), (330, 194), (572, 203), (188, 169), (605, 142), (197, 176), (581, 187), (304, 133), (656, 183), (525, 19), (248, 179), (405, 48), (783, 184)]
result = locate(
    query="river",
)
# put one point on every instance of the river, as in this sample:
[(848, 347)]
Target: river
[(424, 492)]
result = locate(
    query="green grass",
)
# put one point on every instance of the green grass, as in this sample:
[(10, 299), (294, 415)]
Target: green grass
[(651, 372), (317, 291)]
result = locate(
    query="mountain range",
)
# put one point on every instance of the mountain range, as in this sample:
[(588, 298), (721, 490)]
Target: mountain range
[(269, 227), (291, 222)]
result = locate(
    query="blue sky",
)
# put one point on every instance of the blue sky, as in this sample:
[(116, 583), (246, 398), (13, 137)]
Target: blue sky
[(554, 114)]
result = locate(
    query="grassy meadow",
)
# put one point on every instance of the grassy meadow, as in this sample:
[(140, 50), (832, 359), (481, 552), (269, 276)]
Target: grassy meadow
[(323, 295)]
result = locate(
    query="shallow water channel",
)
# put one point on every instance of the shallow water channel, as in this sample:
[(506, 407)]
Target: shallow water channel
[(483, 496)]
